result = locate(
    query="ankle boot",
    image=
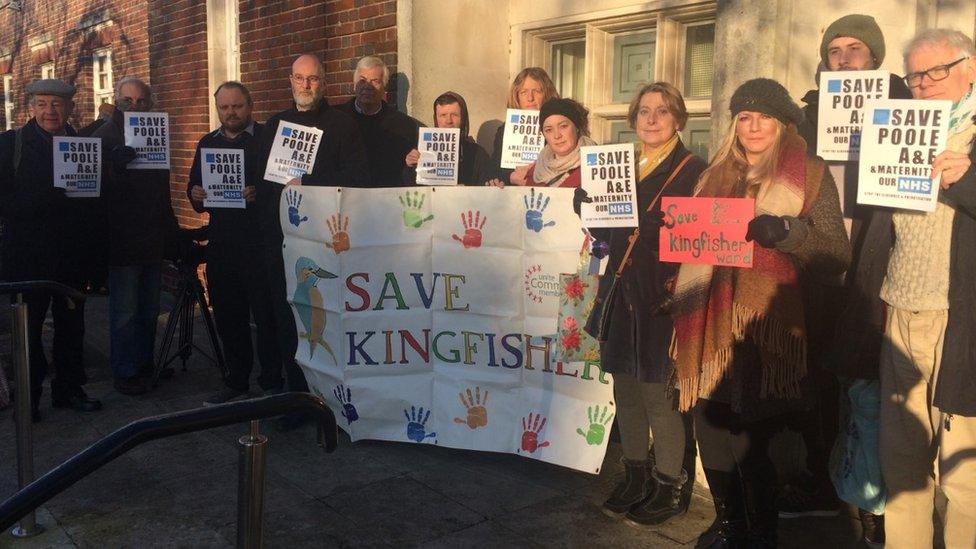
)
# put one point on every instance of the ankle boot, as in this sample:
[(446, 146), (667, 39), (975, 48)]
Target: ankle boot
[(664, 503), (729, 529), (636, 485)]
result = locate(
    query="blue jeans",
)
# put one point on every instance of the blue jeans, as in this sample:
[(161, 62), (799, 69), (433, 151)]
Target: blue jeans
[(133, 310)]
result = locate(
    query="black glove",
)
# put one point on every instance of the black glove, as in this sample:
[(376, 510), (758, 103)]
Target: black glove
[(121, 155), (653, 218), (580, 196), (767, 230)]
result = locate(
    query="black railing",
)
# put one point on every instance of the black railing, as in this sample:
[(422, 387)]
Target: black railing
[(152, 428)]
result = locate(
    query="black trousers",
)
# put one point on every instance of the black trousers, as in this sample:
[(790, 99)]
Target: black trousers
[(284, 318), (68, 348), (238, 287)]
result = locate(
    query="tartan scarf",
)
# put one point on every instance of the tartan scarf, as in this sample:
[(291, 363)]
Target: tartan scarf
[(716, 307)]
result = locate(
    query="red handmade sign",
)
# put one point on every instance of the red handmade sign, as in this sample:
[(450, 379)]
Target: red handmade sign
[(707, 230)]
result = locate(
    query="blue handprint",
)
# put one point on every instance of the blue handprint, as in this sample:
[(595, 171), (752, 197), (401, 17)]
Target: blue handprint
[(534, 206), (416, 422), (294, 200), (344, 396)]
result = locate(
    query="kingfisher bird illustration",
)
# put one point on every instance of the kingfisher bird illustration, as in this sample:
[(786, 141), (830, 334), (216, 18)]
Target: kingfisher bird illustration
[(309, 304)]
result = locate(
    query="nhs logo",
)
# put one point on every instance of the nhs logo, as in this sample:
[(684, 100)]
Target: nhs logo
[(620, 208), (833, 86), (915, 185)]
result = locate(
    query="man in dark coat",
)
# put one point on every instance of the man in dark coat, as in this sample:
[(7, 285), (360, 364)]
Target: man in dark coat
[(37, 242), (238, 287), (141, 222), (388, 134), (340, 161)]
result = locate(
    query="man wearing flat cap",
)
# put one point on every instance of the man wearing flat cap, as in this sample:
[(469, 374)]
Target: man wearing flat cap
[(36, 243)]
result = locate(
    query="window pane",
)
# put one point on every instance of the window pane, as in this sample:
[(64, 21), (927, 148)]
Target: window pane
[(633, 63), (567, 68), (699, 51), (620, 132), (697, 136)]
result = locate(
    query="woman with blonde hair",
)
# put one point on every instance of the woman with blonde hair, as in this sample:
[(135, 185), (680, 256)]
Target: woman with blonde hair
[(740, 334), (531, 88)]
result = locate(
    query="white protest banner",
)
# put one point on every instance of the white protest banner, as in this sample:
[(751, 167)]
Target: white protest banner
[(78, 166), (428, 315), (840, 113), (222, 174), (439, 156), (608, 177), (293, 152), (522, 139), (899, 142), (148, 134)]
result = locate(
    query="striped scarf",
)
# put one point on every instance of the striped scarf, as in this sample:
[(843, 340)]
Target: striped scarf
[(717, 307)]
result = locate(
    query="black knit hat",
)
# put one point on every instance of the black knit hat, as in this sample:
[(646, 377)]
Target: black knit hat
[(768, 97), (572, 110), (855, 25)]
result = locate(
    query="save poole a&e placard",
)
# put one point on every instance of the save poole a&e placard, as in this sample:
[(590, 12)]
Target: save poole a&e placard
[(78, 166), (522, 139), (840, 113), (900, 140), (707, 230), (293, 152), (148, 134), (608, 179), (222, 174), (439, 156)]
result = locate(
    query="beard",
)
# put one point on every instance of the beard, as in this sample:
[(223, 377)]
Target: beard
[(305, 100)]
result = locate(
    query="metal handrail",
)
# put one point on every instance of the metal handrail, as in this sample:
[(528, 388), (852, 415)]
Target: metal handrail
[(144, 430), (42, 285)]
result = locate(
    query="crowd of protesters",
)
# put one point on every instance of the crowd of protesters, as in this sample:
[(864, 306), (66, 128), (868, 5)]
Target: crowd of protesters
[(851, 314)]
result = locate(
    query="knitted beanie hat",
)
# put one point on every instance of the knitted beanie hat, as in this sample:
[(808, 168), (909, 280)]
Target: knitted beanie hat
[(572, 110), (862, 27), (768, 97)]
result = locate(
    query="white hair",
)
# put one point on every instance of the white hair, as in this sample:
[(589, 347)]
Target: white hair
[(956, 40), (370, 62), (132, 80)]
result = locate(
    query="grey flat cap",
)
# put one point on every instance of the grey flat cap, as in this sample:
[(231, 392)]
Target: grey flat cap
[(51, 86)]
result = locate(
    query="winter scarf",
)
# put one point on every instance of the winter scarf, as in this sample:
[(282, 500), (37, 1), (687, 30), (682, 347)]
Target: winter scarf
[(550, 169), (961, 123), (650, 158), (717, 307)]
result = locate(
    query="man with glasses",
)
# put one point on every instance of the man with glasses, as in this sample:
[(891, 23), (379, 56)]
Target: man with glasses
[(388, 133), (141, 220), (852, 43), (928, 354), (340, 161)]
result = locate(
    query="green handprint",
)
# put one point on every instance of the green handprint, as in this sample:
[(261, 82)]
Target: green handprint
[(412, 215), (598, 422)]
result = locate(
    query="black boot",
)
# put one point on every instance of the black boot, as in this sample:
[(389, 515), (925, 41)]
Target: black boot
[(729, 529), (636, 485), (666, 502), (763, 516)]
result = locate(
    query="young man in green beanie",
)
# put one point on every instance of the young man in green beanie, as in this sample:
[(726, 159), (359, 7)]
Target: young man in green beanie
[(852, 43)]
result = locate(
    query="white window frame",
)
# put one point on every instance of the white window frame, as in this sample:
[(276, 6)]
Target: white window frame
[(99, 92), (47, 70), (8, 100), (532, 46)]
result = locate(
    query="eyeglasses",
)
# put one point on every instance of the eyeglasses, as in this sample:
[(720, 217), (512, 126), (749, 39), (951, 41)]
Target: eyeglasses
[(936, 73), (300, 80)]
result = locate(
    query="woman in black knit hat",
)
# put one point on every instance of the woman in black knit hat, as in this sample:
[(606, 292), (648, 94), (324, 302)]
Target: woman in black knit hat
[(740, 334)]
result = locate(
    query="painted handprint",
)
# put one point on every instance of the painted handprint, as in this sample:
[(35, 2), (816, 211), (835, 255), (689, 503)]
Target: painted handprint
[(530, 433), (412, 214), (598, 424), (416, 424), (294, 200), (473, 223), (476, 407), (344, 395), (338, 224), (534, 206)]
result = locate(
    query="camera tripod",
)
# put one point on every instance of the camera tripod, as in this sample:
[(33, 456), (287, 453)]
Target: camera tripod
[(179, 325)]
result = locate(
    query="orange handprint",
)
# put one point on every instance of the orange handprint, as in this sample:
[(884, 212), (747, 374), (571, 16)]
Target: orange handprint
[(472, 224), (476, 406), (338, 224)]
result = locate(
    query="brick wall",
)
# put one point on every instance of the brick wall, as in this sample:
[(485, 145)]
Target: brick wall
[(72, 44)]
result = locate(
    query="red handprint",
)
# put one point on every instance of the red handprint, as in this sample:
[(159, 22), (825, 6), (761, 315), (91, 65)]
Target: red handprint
[(472, 224), (531, 429), (338, 224)]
